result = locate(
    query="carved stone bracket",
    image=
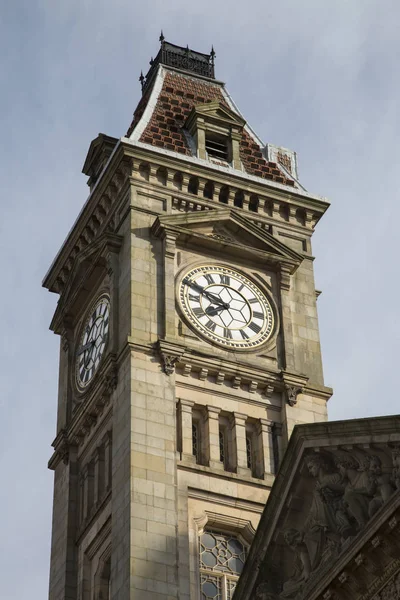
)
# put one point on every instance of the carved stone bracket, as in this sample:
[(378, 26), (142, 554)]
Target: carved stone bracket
[(170, 354), (61, 450), (294, 385), (291, 394)]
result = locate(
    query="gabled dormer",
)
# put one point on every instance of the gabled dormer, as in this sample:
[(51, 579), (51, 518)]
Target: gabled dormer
[(217, 132)]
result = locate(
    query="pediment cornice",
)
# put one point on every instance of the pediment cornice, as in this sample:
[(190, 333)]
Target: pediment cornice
[(226, 229), (215, 111), (97, 255)]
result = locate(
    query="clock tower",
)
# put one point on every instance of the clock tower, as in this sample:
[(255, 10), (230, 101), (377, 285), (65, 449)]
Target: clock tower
[(189, 344)]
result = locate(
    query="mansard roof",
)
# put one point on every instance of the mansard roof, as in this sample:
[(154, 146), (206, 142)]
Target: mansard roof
[(169, 96)]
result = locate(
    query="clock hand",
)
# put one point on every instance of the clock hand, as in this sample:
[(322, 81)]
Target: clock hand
[(85, 347), (213, 310), (209, 295)]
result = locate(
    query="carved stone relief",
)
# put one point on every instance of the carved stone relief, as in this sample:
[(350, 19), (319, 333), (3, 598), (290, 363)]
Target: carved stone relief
[(337, 493), (391, 591)]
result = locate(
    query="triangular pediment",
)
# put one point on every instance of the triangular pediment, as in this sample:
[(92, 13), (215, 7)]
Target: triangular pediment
[(336, 485), (227, 229), (89, 265), (216, 111)]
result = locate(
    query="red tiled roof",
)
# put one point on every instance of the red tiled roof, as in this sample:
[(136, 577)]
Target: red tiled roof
[(179, 94)]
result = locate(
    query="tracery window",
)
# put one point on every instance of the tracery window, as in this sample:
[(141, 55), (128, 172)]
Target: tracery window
[(222, 558)]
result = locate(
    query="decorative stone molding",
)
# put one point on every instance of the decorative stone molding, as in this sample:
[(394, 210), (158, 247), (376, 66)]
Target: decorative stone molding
[(61, 447), (96, 219)]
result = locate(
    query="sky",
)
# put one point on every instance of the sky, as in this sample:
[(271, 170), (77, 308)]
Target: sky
[(315, 76)]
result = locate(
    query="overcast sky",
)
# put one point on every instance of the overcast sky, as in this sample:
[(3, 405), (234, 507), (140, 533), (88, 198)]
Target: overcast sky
[(316, 76)]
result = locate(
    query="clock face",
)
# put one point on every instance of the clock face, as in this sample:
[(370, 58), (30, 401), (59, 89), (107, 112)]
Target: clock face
[(226, 307), (93, 342)]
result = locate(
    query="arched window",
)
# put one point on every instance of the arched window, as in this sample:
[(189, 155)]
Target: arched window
[(208, 190), (239, 198), (193, 186), (144, 170), (178, 180), (222, 558), (162, 175), (224, 194), (253, 203)]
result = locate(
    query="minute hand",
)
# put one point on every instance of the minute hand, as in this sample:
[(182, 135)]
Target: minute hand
[(209, 295)]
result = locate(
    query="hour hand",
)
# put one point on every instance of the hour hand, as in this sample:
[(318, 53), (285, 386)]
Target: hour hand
[(85, 347), (213, 310)]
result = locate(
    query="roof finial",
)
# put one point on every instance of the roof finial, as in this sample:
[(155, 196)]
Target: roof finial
[(151, 61), (162, 38), (212, 54), (141, 79)]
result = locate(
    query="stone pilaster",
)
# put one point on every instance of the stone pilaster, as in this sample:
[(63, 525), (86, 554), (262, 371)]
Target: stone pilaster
[(239, 436), (212, 437), (185, 421)]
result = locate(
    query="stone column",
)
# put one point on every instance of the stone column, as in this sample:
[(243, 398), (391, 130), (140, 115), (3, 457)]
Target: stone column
[(185, 421), (239, 435), (212, 437), (266, 444)]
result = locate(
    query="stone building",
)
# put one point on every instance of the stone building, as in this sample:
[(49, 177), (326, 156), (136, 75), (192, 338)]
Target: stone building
[(189, 344)]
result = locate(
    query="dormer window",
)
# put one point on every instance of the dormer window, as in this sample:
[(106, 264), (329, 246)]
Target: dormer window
[(216, 131), (217, 147)]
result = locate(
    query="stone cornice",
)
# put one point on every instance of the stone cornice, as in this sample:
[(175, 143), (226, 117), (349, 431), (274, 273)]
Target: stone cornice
[(96, 216), (238, 178)]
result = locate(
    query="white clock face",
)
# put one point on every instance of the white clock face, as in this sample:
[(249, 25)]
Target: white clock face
[(226, 307), (93, 342)]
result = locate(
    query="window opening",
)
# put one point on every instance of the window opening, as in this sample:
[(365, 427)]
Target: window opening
[(222, 446), (224, 194), (217, 147), (193, 186), (195, 441), (238, 201), (249, 453), (253, 203), (208, 191), (222, 558)]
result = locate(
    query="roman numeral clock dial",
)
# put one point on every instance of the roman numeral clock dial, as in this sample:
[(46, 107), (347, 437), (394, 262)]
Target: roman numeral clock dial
[(226, 307), (93, 342)]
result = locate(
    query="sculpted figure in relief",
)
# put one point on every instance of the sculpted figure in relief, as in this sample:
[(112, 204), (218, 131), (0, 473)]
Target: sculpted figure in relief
[(328, 510), (396, 468), (358, 492), (302, 563), (380, 483)]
